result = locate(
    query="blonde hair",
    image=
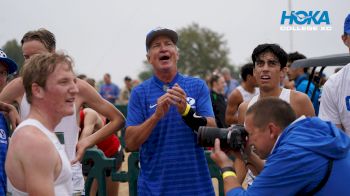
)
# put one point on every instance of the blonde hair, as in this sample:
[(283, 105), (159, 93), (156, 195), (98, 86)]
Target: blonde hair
[(39, 67)]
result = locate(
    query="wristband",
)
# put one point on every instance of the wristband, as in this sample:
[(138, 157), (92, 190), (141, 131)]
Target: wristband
[(228, 173), (224, 169), (194, 121), (188, 107)]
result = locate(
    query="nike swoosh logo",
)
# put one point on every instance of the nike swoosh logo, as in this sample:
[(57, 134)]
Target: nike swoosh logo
[(152, 106), (196, 116)]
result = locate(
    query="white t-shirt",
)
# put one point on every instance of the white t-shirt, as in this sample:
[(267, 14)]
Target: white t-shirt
[(335, 99)]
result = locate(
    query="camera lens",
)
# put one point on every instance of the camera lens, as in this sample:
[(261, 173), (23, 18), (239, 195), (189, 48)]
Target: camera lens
[(207, 135), (233, 138)]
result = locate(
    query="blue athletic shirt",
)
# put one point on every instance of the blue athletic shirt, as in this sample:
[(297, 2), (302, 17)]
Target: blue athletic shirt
[(109, 90), (171, 161), (3, 151), (299, 162)]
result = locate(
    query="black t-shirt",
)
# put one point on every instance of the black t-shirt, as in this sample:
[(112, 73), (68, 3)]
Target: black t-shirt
[(219, 107)]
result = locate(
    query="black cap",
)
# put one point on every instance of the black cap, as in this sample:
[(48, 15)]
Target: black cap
[(160, 31)]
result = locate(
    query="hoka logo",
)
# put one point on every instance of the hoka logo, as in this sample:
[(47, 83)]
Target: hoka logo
[(304, 17)]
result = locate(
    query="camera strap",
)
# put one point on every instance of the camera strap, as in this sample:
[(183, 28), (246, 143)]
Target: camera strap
[(323, 181)]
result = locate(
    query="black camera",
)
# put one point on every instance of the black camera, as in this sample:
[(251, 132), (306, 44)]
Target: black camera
[(232, 138)]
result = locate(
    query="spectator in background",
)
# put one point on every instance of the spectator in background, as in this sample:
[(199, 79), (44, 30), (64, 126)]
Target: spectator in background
[(231, 83), (7, 66), (135, 82), (218, 101), (335, 100), (300, 77), (109, 90), (244, 92), (82, 76), (319, 80), (125, 93)]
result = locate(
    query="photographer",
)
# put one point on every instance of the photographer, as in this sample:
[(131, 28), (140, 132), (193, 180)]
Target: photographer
[(304, 156)]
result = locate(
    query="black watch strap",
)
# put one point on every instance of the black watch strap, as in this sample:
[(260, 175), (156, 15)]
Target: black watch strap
[(227, 169)]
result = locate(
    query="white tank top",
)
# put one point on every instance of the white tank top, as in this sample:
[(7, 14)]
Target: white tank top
[(70, 129), (63, 183), (285, 96), (247, 95)]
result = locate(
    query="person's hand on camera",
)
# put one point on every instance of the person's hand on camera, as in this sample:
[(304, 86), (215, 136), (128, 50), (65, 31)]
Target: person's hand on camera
[(219, 156)]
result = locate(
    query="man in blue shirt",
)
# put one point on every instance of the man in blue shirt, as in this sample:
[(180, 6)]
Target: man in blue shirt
[(163, 115), (7, 66), (304, 156), (231, 83), (109, 90), (301, 80)]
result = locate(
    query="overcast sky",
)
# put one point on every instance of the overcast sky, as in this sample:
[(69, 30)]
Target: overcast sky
[(109, 36)]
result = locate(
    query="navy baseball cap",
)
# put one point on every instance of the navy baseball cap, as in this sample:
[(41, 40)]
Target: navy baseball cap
[(347, 25), (160, 31), (11, 65)]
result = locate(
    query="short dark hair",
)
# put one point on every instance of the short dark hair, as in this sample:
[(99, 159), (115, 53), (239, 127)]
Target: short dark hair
[(273, 48), (127, 78), (246, 70), (269, 109), (42, 35), (293, 56), (296, 56), (82, 76), (91, 81)]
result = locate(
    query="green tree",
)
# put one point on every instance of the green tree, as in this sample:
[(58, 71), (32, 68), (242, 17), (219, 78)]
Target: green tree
[(14, 52), (144, 75), (201, 50)]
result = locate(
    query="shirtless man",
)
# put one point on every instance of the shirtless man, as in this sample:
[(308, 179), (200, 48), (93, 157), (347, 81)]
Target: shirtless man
[(244, 92)]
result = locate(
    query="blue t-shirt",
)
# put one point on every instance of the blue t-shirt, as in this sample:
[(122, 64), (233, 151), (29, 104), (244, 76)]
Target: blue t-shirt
[(109, 92), (3, 151), (171, 161), (301, 83)]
